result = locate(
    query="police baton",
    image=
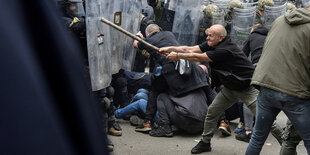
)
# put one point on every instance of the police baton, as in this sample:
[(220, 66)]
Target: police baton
[(129, 34)]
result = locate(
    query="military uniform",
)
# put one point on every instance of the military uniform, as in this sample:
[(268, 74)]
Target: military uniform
[(290, 140), (260, 7), (228, 17), (206, 21), (162, 16)]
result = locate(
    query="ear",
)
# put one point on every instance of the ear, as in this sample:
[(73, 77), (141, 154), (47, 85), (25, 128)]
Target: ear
[(221, 38)]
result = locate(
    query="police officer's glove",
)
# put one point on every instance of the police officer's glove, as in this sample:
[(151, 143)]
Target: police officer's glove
[(107, 102)]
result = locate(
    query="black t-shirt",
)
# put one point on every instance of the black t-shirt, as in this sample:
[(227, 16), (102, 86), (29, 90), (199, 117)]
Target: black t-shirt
[(229, 65)]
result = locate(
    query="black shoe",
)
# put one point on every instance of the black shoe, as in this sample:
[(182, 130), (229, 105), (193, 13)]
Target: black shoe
[(136, 121), (162, 131), (115, 125), (201, 147), (243, 137)]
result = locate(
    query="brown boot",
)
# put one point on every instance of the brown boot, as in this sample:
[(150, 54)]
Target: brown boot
[(114, 132), (224, 128)]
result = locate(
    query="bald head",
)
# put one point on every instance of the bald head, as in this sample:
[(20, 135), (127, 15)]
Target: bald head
[(218, 29), (216, 34)]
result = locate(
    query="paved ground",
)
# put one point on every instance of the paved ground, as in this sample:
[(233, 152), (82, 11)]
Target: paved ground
[(134, 143)]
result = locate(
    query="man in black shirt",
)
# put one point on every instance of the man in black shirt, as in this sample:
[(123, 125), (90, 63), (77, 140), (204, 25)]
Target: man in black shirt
[(230, 67)]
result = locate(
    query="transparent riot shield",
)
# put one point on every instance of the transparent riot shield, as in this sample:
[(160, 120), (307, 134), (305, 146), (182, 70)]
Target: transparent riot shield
[(131, 14), (242, 22), (305, 3), (249, 3), (222, 4), (99, 54), (218, 18), (186, 22), (271, 13), (205, 2), (80, 7), (117, 38), (279, 2), (147, 10), (171, 4)]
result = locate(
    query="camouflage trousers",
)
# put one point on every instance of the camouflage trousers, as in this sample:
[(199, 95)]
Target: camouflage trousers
[(290, 140)]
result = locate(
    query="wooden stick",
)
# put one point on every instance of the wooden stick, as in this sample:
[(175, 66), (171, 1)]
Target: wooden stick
[(129, 34)]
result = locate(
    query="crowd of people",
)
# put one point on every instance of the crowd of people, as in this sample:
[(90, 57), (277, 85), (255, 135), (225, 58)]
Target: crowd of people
[(200, 88)]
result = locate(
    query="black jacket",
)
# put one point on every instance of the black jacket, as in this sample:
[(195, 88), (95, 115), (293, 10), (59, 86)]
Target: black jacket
[(170, 80), (159, 39), (180, 84), (255, 43)]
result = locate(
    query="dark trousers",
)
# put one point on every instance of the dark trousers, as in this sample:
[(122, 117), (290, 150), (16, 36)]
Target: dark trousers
[(168, 115)]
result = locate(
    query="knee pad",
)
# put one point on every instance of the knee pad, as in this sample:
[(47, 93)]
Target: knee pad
[(110, 92)]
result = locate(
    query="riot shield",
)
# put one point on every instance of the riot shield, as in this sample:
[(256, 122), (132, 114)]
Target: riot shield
[(205, 2), (147, 10), (131, 14), (300, 3), (279, 2), (186, 21), (249, 3), (80, 7), (218, 18), (99, 54), (305, 3), (171, 4), (242, 22), (271, 13), (222, 4), (117, 39)]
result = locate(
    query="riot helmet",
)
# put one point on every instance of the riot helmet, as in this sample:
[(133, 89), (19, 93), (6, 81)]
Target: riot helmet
[(290, 7), (233, 4), (262, 3), (74, 8), (209, 9)]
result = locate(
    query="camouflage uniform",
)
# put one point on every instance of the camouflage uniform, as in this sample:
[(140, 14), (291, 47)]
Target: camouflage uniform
[(206, 20), (290, 140), (233, 4), (260, 7), (228, 18), (162, 16), (290, 6)]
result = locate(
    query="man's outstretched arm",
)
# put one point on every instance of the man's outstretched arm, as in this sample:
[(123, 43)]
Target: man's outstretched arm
[(189, 56), (180, 49)]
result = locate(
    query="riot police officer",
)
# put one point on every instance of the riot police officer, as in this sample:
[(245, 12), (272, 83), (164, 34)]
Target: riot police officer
[(163, 17), (260, 9), (206, 20), (74, 16)]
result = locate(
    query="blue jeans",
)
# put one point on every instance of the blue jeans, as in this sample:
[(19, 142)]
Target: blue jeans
[(269, 104), (141, 94), (138, 103)]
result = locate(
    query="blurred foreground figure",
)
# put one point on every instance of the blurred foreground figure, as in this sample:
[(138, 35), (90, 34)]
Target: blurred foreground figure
[(46, 102), (282, 75)]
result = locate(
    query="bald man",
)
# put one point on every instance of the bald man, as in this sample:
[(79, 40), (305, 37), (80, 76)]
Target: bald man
[(230, 67)]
